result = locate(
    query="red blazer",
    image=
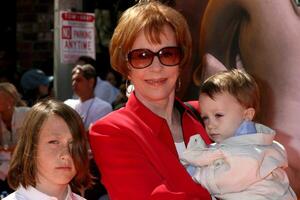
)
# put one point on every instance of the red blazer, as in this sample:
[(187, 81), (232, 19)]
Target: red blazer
[(137, 158)]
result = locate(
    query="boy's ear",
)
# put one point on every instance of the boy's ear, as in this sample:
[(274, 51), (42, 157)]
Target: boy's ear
[(249, 114)]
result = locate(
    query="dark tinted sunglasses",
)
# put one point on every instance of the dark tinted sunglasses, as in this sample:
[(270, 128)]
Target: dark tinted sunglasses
[(142, 58)]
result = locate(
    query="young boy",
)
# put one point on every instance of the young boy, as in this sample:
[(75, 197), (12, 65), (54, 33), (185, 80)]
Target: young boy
[(244, 162)]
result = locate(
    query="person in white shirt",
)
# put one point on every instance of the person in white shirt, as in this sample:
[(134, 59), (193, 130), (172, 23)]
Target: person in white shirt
[(103, 89), (89, 107), (51, 157)]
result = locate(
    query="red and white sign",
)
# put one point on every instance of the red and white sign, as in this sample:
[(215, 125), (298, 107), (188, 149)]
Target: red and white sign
[(77, 36)]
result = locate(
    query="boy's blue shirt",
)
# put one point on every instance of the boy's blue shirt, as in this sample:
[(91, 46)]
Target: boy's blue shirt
[(246, 128)]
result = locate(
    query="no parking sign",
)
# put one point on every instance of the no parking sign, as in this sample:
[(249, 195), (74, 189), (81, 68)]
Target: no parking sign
[(77, 36)]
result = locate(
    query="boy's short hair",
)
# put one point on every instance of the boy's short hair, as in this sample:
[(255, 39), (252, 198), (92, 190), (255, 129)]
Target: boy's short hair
[(238, 83), (23, 165)]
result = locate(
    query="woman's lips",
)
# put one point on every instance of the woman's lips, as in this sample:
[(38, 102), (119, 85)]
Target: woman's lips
[(156, 82)]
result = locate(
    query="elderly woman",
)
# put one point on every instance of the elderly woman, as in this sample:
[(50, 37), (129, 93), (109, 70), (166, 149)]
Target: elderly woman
[(136, 147)]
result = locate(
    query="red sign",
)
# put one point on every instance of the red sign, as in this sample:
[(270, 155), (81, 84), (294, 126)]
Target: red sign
[(81, 17), (77, 36)]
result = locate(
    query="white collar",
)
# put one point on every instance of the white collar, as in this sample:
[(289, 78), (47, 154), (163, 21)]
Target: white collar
[(34, 194)]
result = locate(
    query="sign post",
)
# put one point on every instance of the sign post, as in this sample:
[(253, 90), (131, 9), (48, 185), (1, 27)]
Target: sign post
[(62, 70)]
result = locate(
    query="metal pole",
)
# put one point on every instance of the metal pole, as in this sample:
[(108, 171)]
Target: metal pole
[(62, 72)]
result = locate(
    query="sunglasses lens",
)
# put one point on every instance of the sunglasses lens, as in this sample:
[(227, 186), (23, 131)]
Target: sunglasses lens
[(140, 58), (170, 56)]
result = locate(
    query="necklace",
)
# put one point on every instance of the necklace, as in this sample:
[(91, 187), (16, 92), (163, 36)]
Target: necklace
[(87, 113)]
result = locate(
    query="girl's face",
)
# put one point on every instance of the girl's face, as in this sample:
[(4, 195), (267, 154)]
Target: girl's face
[(55, 165), (157, 81)]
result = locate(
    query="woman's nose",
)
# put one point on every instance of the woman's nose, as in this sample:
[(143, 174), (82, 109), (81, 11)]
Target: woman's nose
[(156, 65)]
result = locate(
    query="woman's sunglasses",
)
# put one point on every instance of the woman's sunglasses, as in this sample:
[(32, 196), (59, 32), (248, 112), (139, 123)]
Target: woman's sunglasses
[(142, 58)]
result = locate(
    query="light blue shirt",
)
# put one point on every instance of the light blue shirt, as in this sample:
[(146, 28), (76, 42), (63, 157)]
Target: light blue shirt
[(246, 128)]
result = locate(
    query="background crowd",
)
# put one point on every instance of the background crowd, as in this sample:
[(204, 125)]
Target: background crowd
[(93, 99)]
